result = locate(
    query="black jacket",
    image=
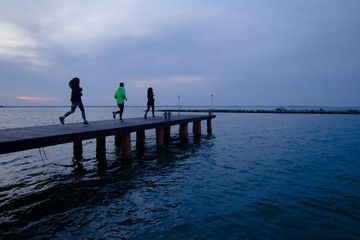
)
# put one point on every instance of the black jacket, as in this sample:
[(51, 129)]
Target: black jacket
[(151, 99), (76, 94)]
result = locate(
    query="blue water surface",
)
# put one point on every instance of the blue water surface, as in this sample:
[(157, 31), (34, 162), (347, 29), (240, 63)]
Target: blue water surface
[(257, 176)]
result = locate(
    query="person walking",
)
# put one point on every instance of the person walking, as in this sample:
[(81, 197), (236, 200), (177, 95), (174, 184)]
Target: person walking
[(75, 99), (150, 102), (120, 96)]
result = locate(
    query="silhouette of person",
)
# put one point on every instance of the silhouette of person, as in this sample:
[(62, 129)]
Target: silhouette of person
[(150, 102), (120, 96), (75, 99)]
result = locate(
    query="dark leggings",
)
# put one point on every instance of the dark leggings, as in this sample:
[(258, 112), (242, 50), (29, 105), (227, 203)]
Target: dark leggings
[(148, 108), (73, 108), (121, 107)]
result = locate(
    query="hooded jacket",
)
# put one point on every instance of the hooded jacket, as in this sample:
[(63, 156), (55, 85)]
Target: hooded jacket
[(120, 95), (76, 94)]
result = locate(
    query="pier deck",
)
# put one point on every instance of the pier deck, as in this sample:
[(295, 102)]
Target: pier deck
[(19, 139)]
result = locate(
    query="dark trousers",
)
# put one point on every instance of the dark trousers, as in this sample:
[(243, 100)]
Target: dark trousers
[(152, 105), (121, 107)]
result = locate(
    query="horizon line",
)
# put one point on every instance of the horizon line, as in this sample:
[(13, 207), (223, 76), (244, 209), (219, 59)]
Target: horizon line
[(181, 106)]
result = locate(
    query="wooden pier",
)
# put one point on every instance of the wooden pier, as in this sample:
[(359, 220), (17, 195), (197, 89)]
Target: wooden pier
[(19, 139)]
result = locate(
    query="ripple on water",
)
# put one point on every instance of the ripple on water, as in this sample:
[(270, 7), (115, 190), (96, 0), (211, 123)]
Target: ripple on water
[(257, 177)]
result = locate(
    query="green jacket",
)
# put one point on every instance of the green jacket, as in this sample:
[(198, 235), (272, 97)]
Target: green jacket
[(120, 95)]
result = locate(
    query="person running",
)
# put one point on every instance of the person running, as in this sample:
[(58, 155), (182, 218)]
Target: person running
[(150, 102), (75, 99), (120, 96)]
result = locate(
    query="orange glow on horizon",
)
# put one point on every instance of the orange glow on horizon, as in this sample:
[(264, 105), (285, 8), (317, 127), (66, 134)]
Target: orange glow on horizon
[(38, 99)]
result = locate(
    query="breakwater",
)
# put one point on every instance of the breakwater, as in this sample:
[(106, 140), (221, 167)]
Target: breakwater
[(277, 110)]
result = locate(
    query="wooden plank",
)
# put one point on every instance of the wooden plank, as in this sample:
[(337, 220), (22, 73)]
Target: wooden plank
[(18, 139)]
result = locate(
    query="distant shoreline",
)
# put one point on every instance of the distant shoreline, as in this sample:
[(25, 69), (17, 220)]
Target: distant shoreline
[(230, 109), (278, 110)]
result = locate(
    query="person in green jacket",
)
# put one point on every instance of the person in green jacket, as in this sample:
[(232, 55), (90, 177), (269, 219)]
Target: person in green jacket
[(120, 96)]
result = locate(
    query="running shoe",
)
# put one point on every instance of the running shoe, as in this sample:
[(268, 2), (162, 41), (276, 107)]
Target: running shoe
[(62, 120)]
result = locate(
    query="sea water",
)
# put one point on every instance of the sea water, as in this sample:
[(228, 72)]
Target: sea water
[(257, 176)]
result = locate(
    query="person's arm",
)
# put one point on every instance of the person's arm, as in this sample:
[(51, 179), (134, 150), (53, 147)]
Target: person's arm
[(125, 95), (77, 92)]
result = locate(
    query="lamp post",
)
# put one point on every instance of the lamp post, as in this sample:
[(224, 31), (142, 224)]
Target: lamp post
[(212, 104), (212, 101), (178, 104)]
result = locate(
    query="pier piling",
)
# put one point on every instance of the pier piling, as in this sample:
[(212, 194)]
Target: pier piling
[(184, 134), (117, 139), (140, 137), (167, 131), (100, 147), (209, 128), (126, 144), (78, 149), (197, 127), (159, 137)]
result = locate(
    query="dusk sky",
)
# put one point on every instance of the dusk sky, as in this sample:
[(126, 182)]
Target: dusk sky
[(244, 52)]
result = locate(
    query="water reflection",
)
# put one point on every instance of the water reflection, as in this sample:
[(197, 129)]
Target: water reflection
[(67, 198)]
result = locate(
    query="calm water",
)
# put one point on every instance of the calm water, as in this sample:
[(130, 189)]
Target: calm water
[(258, 176)]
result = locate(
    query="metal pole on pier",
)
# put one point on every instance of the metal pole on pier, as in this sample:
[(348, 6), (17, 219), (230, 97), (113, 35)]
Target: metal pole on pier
[(212, 104), (212, 101)]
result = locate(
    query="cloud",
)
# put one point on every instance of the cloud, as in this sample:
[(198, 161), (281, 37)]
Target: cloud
[(16, 45), (181, 47), (71, 27), (169, 82)]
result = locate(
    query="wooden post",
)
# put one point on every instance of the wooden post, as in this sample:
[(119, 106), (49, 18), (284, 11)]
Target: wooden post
[(159, 137), (78, 149), (126, 144), (184, 134), (100, 147), (140, 137), (209, 129), (167, 133), (197, 127), (117, 140)]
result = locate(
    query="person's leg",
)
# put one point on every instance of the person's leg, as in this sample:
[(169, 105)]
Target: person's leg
[(73, 108), (118, 112), (81, 106), (147, 110), (62, 118), (121, 110), (153, 109)]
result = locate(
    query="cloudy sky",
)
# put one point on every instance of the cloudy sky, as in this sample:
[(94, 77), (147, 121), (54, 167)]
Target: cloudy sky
[(244, 52)]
